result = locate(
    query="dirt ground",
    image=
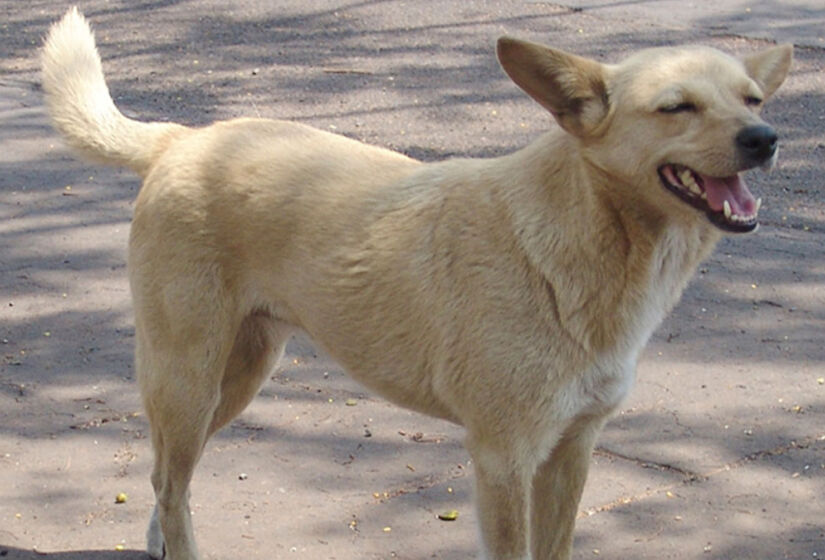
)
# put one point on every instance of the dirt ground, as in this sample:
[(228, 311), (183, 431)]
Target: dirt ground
[(718, 454)]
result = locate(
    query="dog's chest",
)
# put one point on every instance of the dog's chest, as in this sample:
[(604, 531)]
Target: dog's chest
[(607, 382)]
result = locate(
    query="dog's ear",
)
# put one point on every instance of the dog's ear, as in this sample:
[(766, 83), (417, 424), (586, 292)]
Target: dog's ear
[(572, 88), (769, 67)]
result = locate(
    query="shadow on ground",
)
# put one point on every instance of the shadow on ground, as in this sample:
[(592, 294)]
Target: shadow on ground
[(9, 553)]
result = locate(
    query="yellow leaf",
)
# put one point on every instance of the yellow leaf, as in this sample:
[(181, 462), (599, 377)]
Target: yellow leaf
[(450, 515)]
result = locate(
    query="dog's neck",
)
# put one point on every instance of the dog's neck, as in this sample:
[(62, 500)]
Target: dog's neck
[(619, 267)]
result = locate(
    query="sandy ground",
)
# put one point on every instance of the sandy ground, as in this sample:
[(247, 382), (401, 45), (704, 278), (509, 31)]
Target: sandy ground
[(719, 453)]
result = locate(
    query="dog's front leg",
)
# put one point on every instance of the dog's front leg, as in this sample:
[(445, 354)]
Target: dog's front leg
[(154, 537), (502, 499), (557, 489)]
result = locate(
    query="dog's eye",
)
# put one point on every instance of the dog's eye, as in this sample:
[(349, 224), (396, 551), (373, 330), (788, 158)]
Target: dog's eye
[(752, 101), (683, 107)]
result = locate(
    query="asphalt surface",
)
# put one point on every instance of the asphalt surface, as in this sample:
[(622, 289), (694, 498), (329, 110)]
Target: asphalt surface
[(718, 454)]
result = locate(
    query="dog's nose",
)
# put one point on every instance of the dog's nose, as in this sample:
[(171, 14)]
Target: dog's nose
[(757, 143)]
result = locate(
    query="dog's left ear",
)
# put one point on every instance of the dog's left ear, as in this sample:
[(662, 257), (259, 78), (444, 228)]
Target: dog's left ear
[(769, 68), (572, 88)]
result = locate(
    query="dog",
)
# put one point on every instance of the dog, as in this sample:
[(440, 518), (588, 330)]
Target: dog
[(510, 295)]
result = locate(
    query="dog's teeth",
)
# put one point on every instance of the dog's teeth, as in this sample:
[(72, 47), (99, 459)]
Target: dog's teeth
[(742, 219), (758, 204), (687, 180), (726, 208)]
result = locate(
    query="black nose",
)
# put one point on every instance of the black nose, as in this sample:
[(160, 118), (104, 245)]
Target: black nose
[(757, 143)]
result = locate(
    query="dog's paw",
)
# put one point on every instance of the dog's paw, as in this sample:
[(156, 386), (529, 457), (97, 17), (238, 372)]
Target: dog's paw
[(154, 538), (156, 551)]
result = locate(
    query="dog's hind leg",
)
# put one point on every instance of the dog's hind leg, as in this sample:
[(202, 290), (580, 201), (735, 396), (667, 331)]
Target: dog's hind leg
[(184, 414), (180, 400), (557, 489), (179, 405), (185, 330)]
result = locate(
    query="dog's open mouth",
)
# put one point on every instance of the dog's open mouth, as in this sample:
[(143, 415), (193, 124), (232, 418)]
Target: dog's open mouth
[(726, 201)]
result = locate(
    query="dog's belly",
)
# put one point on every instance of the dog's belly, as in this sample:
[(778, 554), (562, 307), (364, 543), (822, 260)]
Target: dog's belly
[(381, 345)]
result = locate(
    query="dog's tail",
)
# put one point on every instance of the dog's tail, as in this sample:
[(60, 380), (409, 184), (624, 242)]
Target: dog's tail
[(81, 107)]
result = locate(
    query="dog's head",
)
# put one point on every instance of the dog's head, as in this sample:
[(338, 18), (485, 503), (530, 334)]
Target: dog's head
[(674, 127)]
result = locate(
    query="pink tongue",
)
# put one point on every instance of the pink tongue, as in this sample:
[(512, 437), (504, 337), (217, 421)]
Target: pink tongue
[(734, 190)]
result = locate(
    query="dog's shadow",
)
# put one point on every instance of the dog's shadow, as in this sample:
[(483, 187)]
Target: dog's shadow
[(12, 553)]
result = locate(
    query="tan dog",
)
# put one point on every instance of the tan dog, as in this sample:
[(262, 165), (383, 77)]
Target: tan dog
[(510, 295)]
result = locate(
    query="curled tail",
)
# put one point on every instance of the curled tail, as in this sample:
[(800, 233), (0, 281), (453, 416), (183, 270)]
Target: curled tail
[(81, 107)]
